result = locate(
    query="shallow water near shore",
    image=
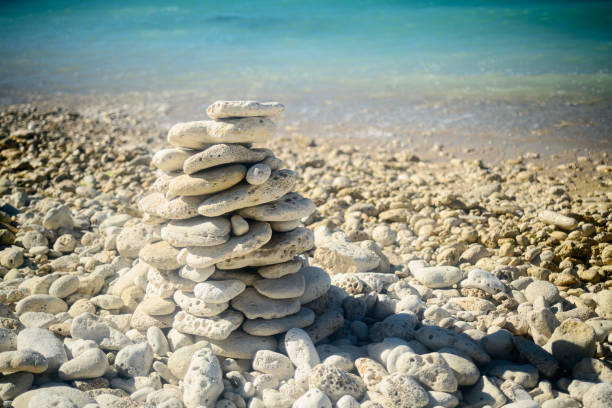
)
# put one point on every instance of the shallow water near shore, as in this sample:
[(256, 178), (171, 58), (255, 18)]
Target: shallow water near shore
[(458, 73)]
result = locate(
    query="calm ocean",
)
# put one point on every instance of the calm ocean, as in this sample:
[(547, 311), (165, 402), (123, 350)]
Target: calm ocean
[(411, 51)]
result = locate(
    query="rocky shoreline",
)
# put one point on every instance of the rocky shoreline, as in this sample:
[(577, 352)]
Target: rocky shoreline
[(454, 281)]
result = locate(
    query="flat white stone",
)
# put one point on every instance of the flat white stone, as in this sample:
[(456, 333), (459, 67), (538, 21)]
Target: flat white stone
[(276, 364), (280, 269), (220, 154), (202, 257), (286, 287), (216, 327), (247, 276), (435, 276), (270, 327), (242, 345), (281, 248), (240, 109), (197, 307), (317, 283), (245, 195), (285, 226), (207, 181), (200, 134), (255, 305), (562, 221), (218, 291), (179, 208), (196, 274), (197, 231), (171, 159), (289, 207)]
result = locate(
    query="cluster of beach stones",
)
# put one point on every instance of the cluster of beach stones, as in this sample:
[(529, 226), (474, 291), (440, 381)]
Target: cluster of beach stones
[(227, 268)]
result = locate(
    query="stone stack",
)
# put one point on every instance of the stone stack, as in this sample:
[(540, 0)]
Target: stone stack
[(228, 268)]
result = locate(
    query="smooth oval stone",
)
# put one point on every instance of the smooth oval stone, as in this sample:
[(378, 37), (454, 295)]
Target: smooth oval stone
[(285, 226), (197, 307), (241, 109), (435, 276), (202, 257), (160, 255), (142, 321), (41, 303), (245, 195), (483, 280), (171, 159), (255, 305), (300, 348), (196, 274), (239, 225), (258, 174), (156, 306), (78, 398), (281, 248), (247, 276), (199, 134), (215, 327), (90, 364), (180, 208), (64, 286), (270, 327), (197, 231), (207, 181), (23, 360), (559, 220), (220, 154), (280, 269), (317, 282), (45, 343), (289, 207), (289, 286), (242, 345), (218, 291)]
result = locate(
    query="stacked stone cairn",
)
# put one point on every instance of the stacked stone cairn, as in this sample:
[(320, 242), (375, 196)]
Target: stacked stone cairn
[(228, 269)]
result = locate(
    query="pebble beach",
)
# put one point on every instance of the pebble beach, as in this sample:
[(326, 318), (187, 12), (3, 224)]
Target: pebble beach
[(436, 277)]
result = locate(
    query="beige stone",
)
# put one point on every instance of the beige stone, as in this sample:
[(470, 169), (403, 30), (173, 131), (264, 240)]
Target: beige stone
[(285, 226), (171, 159), (240, 109), (207, 181), (215, 327), (270, 327), (242, 345), (156, 306), (197, 231), (200, 134), (280, 269), (245, 195), (218, 291), (197, 307), (220, 154), (289, 207), (202, 257), (288, 286), (254, 305), (160, 255), (281, 248)]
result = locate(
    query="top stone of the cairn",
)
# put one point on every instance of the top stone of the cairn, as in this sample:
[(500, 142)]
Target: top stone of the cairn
[(241, 109)]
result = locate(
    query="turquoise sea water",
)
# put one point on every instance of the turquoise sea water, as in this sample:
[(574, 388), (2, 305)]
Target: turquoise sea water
[(493, 51)]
